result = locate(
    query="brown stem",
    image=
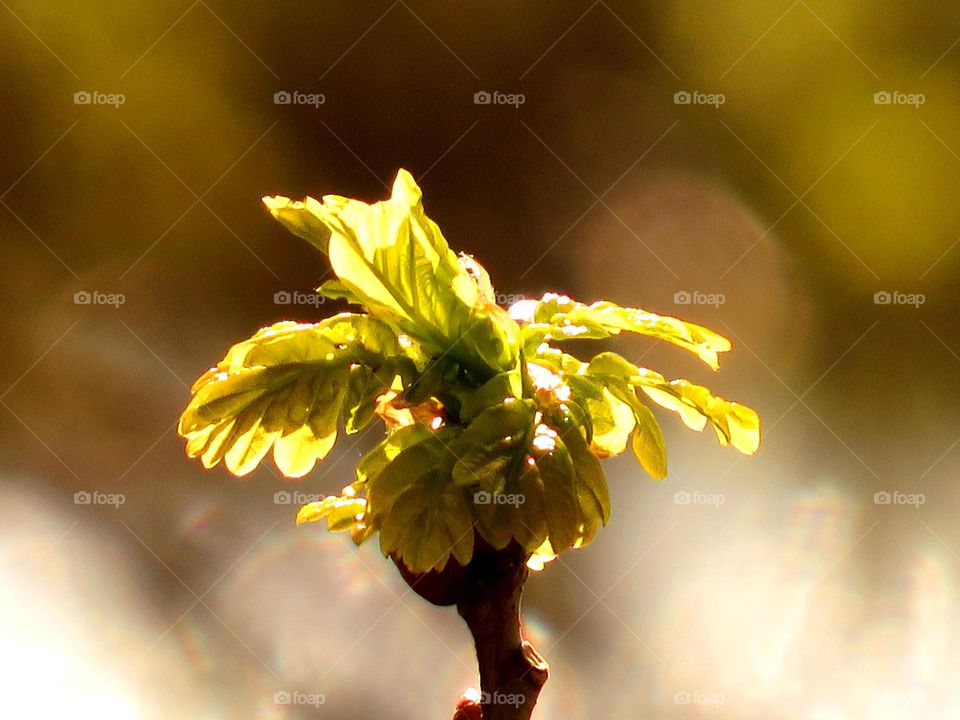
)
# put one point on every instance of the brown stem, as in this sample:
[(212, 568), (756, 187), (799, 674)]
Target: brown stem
[(512, 672)]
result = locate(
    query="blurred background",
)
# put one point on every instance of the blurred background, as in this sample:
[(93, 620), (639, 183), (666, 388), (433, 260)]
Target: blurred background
[(783, 172)]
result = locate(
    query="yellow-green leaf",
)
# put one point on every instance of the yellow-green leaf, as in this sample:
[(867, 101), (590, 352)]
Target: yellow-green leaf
[(517, 513), (393, 259), (591, 483), (303, 219), (733, 423), (429, 522), (283, 388), (364, 387), (648, 444), (561, 505), (431, 453), (611, 437), (340, 512), (646, 436), (373, 463), (490, 448), (570, 320)]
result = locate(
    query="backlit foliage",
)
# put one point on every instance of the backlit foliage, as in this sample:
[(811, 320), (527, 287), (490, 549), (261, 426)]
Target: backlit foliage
[(477, 401)]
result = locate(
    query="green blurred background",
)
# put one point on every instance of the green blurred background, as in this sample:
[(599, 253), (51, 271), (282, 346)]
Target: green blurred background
[(787, 212)]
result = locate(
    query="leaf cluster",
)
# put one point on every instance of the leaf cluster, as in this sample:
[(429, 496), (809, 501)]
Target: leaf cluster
[(491, 429)]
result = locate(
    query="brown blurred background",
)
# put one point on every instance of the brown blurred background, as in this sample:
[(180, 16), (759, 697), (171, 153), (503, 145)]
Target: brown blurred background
[(782, 205)]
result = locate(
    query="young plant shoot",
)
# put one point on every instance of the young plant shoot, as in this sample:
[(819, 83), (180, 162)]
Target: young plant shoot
[(490, 463)]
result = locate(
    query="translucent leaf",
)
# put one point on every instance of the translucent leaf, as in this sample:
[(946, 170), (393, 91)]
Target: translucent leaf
[(592, 493), (359, 337), (610, 421), (733, 423), (559, 317), (648, 444), (303, 219), (612, 365), (561, 506), (541, 556), (394, 260), (297, 451), (429, 521), (364, 387), (336, 290), (689, 413), (646, 436), (379, 457), (493, 445), (611, 437), (521, 516), (340, 512), (283, 388), (431, 453)]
